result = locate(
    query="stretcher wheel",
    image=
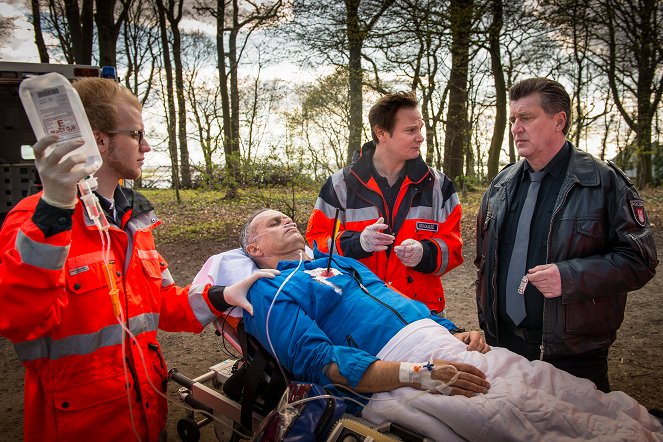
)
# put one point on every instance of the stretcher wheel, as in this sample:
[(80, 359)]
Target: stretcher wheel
[(188, 430), (224, 431)]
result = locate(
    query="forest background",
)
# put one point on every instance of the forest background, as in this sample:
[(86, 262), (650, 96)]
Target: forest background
[(240, 92)]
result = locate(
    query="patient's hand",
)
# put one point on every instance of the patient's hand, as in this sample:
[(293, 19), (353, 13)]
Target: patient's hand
[(235, 294), (474, 341), (469, 382)]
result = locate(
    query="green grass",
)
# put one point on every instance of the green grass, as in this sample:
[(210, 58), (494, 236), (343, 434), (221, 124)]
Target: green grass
[(206, 214)]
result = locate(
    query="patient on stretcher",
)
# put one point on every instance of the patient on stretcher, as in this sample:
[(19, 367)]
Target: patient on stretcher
[(342, 325)]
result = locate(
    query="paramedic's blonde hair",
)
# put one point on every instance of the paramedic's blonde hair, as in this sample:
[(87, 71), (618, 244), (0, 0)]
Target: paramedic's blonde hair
[(100, 97)]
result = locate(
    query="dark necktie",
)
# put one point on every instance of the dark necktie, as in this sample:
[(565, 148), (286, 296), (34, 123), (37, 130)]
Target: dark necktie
[(515, 301)]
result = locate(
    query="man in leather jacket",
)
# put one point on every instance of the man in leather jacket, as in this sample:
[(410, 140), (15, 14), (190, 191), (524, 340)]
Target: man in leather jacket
[(590, 242)]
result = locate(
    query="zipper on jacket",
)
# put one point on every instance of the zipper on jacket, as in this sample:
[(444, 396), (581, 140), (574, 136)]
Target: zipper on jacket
[(548, 257), (384, 202), (355, 275), (134, 376), (155, 348), (393, 310), (351, 342)]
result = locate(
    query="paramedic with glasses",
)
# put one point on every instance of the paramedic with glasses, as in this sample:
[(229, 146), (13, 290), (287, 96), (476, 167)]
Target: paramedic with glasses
[(85, 379)]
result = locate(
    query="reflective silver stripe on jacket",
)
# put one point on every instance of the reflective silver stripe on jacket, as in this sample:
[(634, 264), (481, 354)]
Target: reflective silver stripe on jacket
[(444, 256), (350, 215), (325, 207), (44, 256), (83, 344), (166, 278), (436, 213), (338, 183), (199, 306), (363, 214), (340, 188), (439, 212)]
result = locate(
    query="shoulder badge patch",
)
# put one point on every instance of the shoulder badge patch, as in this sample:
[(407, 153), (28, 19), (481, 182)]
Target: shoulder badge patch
[(638, 212), (430, 227)]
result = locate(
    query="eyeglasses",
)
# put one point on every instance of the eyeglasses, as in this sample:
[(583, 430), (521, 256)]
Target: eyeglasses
[(137, 134)]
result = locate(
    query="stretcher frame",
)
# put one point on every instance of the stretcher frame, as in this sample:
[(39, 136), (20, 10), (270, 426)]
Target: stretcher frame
[(204, 393)]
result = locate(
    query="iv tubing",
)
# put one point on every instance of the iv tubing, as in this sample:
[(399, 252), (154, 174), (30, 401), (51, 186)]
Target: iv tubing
[(269, 312)]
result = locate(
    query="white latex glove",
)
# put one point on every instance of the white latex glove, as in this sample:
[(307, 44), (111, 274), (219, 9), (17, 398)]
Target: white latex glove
[(59, 178), (373, 240), (235, 294), (410, 252)]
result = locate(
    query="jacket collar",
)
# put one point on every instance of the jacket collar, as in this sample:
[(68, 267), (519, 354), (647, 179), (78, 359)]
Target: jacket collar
[(415, 169), (582, 169)]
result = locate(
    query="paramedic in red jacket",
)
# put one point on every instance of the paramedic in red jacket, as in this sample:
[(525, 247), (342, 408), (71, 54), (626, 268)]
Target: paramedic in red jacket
[(401, 218), (85, 378)]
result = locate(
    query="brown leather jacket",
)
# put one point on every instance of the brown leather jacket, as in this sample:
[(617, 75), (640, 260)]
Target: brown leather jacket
[(599, 238)]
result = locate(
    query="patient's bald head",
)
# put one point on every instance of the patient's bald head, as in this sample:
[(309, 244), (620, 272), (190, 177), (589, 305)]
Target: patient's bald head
[(269, 236)]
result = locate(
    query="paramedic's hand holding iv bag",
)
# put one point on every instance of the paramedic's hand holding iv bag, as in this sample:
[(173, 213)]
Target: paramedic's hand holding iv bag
[(373, 240), (235, 294), (410, 252), (59, 177), (66, 151)]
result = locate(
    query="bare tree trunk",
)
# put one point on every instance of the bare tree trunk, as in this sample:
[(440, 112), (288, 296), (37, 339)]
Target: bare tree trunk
[(233, 154), (225, 97), (108, 29), (355, 76), (642, 21), (430, 137), (174, 20), (105, 20), (646, 71), (141, 35), (80, 29), (171, 116), (580, 43), (87, 31), (39, 38), (500, 90), (457, 124)]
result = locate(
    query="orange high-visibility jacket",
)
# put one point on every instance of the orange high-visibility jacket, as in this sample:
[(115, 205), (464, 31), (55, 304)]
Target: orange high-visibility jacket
[(427, 209), (57, 311)]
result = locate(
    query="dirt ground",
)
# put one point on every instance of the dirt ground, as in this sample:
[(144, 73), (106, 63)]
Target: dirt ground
[(636, 362)]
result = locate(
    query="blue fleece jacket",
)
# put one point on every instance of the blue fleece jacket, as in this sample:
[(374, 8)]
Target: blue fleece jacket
[(346, 318)]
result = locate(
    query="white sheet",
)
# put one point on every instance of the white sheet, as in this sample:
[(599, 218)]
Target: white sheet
[(527, 400), (226, 268)]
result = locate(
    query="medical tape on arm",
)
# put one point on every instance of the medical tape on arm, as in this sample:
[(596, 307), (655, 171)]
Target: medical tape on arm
[(421, 373)]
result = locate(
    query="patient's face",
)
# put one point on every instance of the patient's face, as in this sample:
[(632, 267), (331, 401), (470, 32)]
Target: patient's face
[(275, 233)]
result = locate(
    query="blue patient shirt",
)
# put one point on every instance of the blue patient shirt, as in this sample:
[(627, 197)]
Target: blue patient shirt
[(346, 318)]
